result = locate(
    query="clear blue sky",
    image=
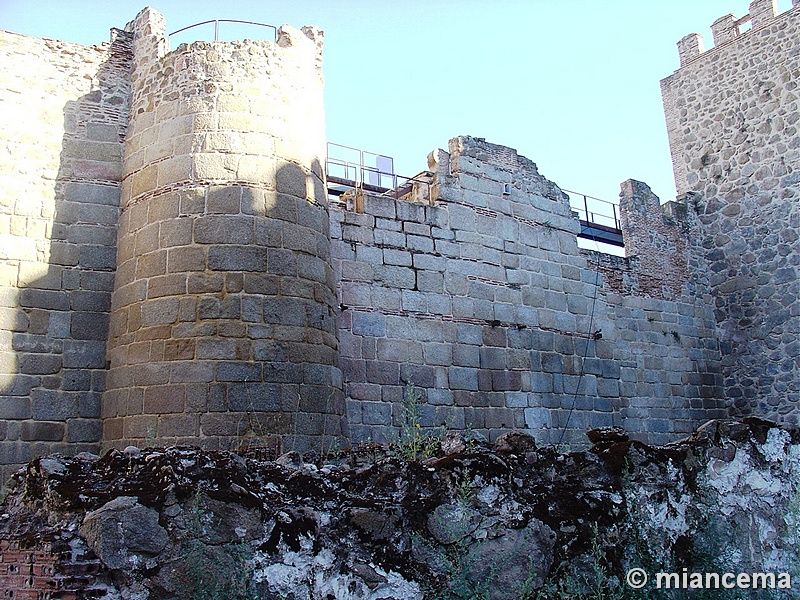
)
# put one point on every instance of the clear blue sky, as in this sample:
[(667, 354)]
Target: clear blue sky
[(571, 84)]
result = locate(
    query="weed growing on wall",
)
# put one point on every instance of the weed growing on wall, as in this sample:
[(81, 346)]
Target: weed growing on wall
[(414, 442)]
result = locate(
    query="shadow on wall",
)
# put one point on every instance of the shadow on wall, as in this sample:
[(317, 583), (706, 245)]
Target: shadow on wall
[(56, 325)]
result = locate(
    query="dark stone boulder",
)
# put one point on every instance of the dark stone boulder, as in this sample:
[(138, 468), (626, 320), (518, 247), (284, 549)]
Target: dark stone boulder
[(123, 533)]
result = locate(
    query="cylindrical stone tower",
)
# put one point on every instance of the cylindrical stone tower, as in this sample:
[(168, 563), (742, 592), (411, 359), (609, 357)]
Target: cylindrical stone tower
[(223, 327)]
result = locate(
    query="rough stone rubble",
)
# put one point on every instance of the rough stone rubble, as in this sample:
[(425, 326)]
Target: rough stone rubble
[(471, 520)]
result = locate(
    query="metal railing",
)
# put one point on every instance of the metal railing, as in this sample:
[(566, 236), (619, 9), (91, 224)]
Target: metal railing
[(594, 210), (355, 164), (347, 167), (216, 23)]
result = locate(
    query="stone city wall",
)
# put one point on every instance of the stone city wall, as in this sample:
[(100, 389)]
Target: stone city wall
[(246, 310), (732, 117), (483, 308), (63, 116)]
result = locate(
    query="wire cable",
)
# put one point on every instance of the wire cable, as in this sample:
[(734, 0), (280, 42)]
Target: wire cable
[(589, 337)]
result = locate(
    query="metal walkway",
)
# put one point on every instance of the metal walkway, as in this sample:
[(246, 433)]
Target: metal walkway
[(599, 218), (347, 168)]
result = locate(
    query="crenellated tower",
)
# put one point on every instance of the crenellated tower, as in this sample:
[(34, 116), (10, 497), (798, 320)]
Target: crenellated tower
[(222, 322), (732, 114)]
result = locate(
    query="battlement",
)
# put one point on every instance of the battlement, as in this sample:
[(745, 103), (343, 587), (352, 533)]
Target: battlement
[(728, 28)]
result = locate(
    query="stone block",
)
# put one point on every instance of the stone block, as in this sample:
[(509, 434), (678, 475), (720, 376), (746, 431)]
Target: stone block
[(39, 364), (411, 211), (150, 265), (608, 388), (164, 399), (438, 397), (420, 243), (369, 324), (376, 413), (254, 397), (238, 371), (237, 258), (394, 276), (223, 424), (178, 425), (494, 358), (430, 281), (506, 380), (58, 325), (311, 268), (291, 179), (392, 350), (64, 254), (311, 424), (12, 453), (213, 307), (466, 356), (84, 430), (414, 301), (90, 300), (440, 305), (283, 372), (103, 258), (462, 378), (51, 405), (285, 311), (76, 380), (45, 299), (380, 207), (383, 372), (223, 199), (224, 229), (85, 354), (258, 283), (89, 402), (89, 326), (191, 371), (421, 376), (13, 407), (437, 353), (317, 399), (176, 232), (467, 333), (396, 239), (552, 362), (396, 257), (161, 311)]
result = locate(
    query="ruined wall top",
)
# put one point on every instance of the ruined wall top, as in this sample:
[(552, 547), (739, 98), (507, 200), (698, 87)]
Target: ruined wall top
[(473, 156), (149, 31), (727, 28)]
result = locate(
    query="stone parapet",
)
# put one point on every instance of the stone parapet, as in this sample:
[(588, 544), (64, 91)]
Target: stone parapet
[(723, 29)]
